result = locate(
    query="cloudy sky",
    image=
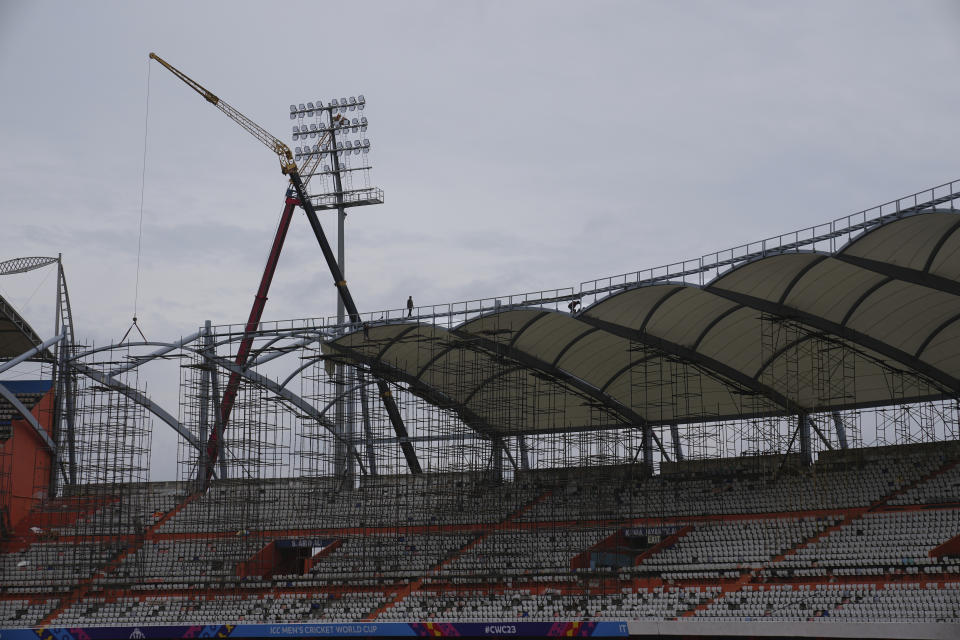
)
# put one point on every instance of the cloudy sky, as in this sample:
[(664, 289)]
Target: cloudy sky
[(520, 145)]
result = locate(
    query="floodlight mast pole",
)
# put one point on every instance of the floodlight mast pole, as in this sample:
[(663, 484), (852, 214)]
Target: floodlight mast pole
[(344, 411), (289, 168)]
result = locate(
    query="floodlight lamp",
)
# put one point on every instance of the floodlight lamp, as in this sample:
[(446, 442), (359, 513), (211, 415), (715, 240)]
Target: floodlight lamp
[(332, 103), (366, 142), (366, 149), (353, 100), (293, 115), (309, 106), (343, 102), (326, 167), (361, 99), (293, 108), (347, 144), (356, 151), (302, 107)]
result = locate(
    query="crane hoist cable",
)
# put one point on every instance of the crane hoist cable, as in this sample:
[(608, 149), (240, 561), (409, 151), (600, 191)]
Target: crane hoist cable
[(289, 168)]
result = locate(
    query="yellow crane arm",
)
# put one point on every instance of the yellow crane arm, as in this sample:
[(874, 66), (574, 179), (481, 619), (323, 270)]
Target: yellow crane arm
[(287, 164)]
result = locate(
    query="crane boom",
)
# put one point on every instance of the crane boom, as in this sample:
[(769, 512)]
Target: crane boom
[(287, 164), (297, 186)]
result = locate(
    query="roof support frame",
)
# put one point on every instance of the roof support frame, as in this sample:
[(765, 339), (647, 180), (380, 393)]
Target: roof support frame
[(936, 248), (922, 278), (567, 346), (631, 417), (947, 382), (711, 365), (799, 276), (656, 305), (863, 298), (717, 320), (455, 343), (422, 389), (933, 334), (626, 413)]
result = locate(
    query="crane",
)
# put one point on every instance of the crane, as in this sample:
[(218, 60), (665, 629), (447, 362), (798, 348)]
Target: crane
[(295, 195)]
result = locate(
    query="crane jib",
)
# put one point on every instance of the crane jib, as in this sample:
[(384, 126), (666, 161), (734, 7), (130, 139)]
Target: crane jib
[(288, 167)]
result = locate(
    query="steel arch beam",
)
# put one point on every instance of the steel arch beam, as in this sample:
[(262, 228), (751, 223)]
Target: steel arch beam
[(137, 397), (284, 393), (158, 411)]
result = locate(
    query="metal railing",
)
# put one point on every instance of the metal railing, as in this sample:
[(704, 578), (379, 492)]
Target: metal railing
[(828, 238)]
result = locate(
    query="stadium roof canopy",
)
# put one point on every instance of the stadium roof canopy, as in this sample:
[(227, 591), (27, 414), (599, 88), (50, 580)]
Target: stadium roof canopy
[(875, 323), (16, 336)]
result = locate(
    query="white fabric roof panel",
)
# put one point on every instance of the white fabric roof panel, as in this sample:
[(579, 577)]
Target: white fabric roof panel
[(830, 287), (766, 278), (946, 262), (905, 243), (16, 336), (683, 317), (673, 352)]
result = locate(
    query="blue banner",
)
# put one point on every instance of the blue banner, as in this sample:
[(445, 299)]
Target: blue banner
[(330, 630)]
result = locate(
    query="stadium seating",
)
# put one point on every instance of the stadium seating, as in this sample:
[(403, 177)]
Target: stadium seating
[(849, 538)]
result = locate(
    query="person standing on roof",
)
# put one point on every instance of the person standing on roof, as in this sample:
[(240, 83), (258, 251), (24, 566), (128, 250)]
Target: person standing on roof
[(409, 306)]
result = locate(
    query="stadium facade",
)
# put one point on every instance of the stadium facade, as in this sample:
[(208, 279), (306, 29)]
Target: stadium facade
[(761, 441)]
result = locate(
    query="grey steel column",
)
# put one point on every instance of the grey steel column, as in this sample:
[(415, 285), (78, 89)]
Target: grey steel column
[(342, 462), (648, 448), (841, 429), (803, 426), (204, 423), (524, 453), (367, 429), (677, 446), (496, 454)]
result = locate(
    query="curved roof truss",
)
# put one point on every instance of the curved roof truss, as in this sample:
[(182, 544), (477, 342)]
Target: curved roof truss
[(887, 304)]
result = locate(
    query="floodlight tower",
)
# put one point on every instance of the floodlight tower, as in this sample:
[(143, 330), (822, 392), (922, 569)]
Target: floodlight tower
[(330, 141)]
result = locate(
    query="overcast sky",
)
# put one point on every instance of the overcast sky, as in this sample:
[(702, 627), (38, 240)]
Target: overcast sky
[(520, 145)]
